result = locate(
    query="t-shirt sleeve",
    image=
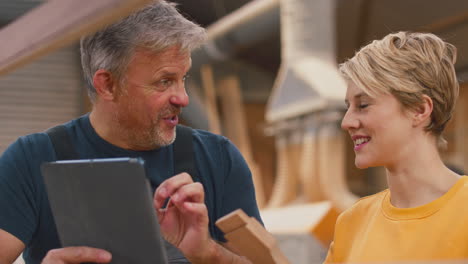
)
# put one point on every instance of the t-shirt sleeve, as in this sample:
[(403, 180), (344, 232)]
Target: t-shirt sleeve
[(329, 258), (335, 251), (18, 209), (239, 188)]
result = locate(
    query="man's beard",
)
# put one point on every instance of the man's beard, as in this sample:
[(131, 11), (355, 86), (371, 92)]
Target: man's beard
[(141, 136)]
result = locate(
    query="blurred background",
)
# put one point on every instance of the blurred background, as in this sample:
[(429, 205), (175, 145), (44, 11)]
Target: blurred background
[(266, 79)]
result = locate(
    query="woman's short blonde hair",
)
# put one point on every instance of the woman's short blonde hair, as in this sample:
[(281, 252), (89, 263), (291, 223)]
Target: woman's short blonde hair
[(409, 65)]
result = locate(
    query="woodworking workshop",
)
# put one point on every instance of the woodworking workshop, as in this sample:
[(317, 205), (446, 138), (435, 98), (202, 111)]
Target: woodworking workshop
[(222, 131)]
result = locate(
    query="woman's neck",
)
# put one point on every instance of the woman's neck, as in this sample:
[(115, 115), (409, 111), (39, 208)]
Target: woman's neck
[(419, 177)]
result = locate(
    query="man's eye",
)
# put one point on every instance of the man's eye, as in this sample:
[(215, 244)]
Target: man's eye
[(166, 82), (185, 77)]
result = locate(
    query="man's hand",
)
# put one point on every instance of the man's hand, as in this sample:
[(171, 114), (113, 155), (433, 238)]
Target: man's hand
[(76, 255), (184, 221)]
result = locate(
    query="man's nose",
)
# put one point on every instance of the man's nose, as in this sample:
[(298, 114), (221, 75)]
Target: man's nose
[(180, 97)]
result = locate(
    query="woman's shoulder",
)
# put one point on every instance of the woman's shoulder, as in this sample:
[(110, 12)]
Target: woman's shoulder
[(370, 199), (355, 219), (365, 205), (463, 189)]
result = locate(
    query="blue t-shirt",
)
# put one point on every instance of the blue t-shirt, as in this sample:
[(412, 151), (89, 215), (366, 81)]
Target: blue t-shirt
[(25, 210)]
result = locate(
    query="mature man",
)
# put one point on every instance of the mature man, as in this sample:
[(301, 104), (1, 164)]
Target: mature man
[(136, 70)]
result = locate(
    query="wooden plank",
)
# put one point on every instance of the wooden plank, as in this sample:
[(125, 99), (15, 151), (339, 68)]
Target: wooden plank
[(445, 23), (55, 24), (250, 239), (235, 128), (232, 221), (210, 98), (263, 147)]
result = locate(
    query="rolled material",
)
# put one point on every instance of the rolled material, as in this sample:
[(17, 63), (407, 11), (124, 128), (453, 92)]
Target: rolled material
[(309, 171), (285, 189), (332, 167)]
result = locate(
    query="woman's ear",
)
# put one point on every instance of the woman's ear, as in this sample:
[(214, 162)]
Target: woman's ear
[(104, 84), (422, 114)]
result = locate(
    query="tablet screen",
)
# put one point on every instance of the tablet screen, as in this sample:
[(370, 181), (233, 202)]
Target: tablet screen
[(105, 203)]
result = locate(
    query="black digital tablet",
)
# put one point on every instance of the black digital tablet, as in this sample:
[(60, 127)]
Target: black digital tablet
[(105, 203)]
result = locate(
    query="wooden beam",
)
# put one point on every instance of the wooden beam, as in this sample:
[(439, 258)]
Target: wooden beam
[(210, 98), (445, 23), (235, 125), (55, 24), (235, 128)]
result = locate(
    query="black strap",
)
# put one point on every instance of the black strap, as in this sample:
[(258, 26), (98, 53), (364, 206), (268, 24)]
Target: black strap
[(184, 160), (62, 143), (184, 157)]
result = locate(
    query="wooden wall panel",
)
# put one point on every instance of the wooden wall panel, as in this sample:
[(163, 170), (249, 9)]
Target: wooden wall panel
[(462, 131), (456, 134), (44, 93)]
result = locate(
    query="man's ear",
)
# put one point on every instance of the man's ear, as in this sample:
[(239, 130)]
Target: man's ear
[(422, 114), (104, 84)]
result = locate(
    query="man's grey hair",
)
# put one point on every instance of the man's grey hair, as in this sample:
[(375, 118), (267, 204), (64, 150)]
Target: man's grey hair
[(156, 27)]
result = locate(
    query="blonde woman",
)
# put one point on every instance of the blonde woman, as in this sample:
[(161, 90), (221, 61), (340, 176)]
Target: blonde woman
[(401, 94)]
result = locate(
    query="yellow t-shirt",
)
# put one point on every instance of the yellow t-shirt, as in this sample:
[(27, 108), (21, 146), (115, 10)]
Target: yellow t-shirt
[(375, 231)]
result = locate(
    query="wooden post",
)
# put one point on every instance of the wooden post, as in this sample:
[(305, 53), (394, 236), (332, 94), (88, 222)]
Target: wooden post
[(235, 128), (210, 98), (54, 24), (249, 238)]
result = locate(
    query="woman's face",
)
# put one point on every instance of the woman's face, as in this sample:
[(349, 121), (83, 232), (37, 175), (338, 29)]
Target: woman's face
[(380, 129)]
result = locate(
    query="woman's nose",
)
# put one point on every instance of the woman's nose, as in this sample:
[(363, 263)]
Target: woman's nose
[(349, 121)]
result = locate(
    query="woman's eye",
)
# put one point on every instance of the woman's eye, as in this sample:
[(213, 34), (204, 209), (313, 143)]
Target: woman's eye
[(362, 106)]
